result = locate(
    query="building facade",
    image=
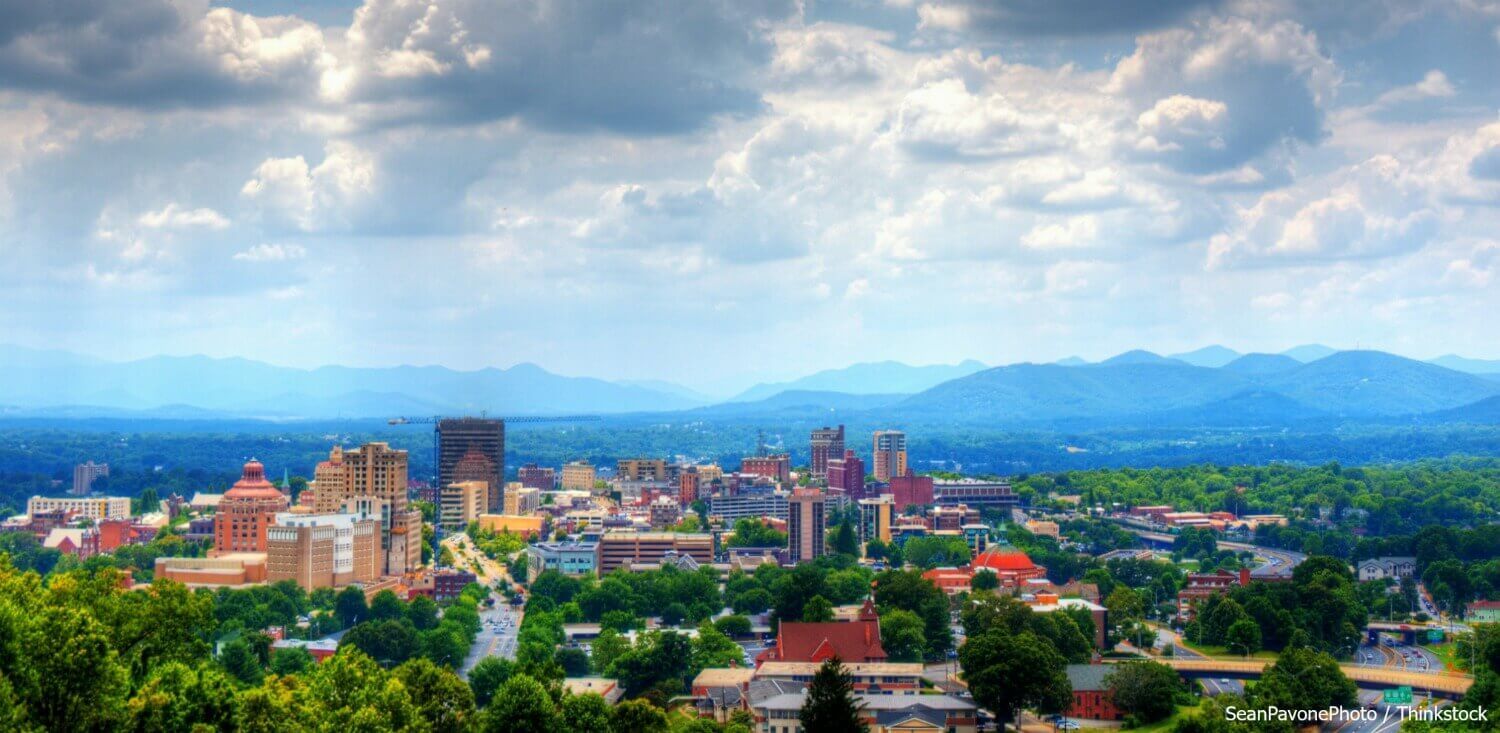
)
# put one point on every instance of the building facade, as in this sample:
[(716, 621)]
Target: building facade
[(806, 523), (95, 508), (876, 517), (890, 454), (578, 476), (246, 512), (462, 502), (825, 444), (777, 468), (84, 475), (536, 477), (323, 550), (457, 436), (623, 549), (641, 469), (847, 474)]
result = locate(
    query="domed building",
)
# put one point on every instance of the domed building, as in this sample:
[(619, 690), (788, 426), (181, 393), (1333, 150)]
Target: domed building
[(246, 511)]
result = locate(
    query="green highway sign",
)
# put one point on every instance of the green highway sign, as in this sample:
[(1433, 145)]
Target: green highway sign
[(1398, 695), (1434, 636)]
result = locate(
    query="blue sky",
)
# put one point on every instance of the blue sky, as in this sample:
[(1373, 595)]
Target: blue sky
[(710, 191)]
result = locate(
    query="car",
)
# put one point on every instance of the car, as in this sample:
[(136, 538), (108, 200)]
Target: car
[(1223, 680)]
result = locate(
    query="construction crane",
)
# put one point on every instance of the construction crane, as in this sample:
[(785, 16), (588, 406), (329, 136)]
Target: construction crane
[(436, 422)]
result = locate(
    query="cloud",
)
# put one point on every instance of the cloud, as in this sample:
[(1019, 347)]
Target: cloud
[(944, 120), (292, 195), (1023, 18), (1223, 91), (1433, 85), (272, 253), (1375, 209), (174, 217), (656, 67), (157, 53), (1078, 231)]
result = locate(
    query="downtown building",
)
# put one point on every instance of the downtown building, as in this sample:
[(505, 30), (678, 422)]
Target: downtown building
[(825, 444), (457, 437), (806, 524), (847, 475), (890, 454), (776, 468), (323, 550)]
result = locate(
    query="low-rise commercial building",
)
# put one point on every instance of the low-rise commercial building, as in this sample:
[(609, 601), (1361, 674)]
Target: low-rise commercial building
[(573, 556), (462, 502), (623, 549), (92, 507), (323, 550)]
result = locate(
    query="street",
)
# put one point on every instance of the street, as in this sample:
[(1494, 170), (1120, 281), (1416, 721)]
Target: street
[(499, 624)]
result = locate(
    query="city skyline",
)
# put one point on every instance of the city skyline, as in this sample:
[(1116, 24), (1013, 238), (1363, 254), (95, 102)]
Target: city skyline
[(939, 180)]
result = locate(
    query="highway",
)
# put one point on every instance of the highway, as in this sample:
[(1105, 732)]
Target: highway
[(1373, 677)]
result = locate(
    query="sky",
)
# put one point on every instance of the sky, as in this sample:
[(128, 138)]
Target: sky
[(745, 190)]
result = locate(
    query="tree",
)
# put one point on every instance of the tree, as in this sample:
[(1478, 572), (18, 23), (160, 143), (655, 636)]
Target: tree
[(817, 610), (637, 716), (446, 645), (586, 713), (985, 579), (733, 625), (422, 612), (755, 533), (442, 699), (350, 691), (1243, 635), (387, 642), (711, 648), (487, 676), (1304, 679), (901, 635), (1007, 672), (908, 590), (831, 706), (755, 600), (934, 551), (240, 661), (292, 660), (178, 697), (1145, 690), (673, 614), (607, 647), (349, 606), (521, 705), (574, 661), (845, 542), (386, 606)]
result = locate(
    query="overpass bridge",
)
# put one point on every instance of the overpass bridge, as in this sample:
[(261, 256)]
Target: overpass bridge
[(1451, 686), (1407, 632)]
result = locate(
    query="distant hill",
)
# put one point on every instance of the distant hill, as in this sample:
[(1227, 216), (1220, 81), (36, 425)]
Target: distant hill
[(1071, 361), (882, 377), (1377, 383), (1309, 352), (1139, 356), (1262, 364), (1483, 412), (242, 387), (1042, 392), (1208, 356), (1472, 366), (802, 403), (1258, 391)]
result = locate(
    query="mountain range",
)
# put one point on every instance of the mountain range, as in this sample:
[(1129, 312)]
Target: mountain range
[(1209, 386)]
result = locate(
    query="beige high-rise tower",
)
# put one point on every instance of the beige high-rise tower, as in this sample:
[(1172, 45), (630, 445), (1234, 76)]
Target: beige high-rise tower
[(890, 454), (805, 520)]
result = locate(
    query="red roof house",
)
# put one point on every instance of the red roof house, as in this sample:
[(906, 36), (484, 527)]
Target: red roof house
[(852, 642)]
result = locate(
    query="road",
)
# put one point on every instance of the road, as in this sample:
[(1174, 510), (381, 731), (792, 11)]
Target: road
[(500, 624), (1212, 687)]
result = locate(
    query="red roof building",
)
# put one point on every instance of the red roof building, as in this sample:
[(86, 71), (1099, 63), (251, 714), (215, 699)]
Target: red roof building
[(852, 642), (1010, 567)]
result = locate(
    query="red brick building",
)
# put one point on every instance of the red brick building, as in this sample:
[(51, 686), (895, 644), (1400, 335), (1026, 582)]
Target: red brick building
[(856, 641), (847, 474), (911, 489), (1091, 696), (246, 512), (776, 468)]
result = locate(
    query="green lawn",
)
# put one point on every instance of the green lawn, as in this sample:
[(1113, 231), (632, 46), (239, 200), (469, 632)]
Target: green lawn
[(1219, 651), (1448, 653), (1169, 722)]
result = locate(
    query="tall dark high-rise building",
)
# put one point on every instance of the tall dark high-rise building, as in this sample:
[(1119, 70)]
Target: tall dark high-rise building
[(458, 436), (827, 443)]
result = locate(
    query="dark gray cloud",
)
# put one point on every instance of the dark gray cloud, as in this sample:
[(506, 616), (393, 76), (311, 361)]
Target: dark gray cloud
[(650, 67), (154, 53), (1013, 18)]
